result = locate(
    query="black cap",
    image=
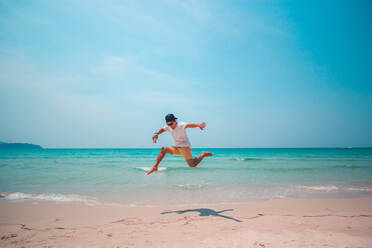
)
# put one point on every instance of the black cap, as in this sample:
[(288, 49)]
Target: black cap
[(170, 117)]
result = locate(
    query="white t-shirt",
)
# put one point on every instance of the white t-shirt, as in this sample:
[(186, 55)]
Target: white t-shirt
[(179, 134)]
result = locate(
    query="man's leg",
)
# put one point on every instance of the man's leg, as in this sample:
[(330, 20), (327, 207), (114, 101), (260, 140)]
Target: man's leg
[(195, 161), (164, 150)]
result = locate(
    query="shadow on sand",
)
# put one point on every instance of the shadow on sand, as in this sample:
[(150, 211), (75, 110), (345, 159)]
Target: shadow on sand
[(205, 212)]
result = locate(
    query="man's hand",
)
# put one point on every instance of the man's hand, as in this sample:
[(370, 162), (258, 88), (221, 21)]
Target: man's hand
[(199, 125), (155, 138)]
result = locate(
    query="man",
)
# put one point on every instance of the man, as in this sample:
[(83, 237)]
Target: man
[(182, 144)]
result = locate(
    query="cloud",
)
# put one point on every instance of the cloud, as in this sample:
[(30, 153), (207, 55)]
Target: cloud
[(62, 108), (153, 88), (126, 67), (164, 29)]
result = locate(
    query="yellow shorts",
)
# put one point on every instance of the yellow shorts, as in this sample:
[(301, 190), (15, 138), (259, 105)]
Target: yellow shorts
[(185, 151)]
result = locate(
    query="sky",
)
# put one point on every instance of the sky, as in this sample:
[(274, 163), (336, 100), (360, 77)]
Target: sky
[(103, 74)]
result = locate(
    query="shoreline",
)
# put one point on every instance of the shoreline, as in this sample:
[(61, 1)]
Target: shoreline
[(287, 222), (161, 201), (93, 201)]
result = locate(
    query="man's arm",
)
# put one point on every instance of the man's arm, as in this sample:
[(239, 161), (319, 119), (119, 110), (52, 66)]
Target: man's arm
[(155, 136), (199, 125)]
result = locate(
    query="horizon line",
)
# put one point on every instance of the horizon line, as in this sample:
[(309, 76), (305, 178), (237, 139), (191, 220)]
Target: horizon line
[(300, 147)]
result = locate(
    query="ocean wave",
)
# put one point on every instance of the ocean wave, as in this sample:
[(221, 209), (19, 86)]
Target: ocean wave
[(328, 188), (183, 168), (148, 168), (49, 197), (250, 168), (350, 166), (359, 189), (332, 188), (192, 187), (187, 168), (247, 159), (280, 197), (294, 169)]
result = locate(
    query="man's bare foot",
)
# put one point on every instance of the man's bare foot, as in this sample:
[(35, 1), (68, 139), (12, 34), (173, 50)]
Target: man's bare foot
[(152, 170), (207, 154)]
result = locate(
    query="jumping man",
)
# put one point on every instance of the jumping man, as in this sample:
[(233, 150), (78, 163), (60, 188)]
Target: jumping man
[(182, 144)]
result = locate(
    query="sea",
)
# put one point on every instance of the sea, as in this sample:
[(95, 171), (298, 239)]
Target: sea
[(231, 175)]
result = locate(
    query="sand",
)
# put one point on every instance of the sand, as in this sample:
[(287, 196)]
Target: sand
[(276, 223)]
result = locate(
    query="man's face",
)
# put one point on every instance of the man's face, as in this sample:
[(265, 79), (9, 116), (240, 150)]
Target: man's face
[(172, 124)]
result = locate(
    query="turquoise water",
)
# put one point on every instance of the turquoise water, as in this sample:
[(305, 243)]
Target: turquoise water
[(98, 176)]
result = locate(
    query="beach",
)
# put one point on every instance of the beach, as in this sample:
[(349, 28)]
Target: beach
[(323, 222), (185, 123), (237, 198)]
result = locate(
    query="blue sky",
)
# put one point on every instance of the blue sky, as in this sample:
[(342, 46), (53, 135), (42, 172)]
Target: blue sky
[(261, 73)]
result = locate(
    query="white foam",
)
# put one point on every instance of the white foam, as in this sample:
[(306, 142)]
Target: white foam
[(359, 189), (148, 168), (49, 197), (280, 196), (335, 188), (246, 159), (240, 159), (192, 186), (321, 188)]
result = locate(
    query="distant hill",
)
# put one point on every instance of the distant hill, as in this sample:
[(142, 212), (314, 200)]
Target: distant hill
[(4, 145)]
